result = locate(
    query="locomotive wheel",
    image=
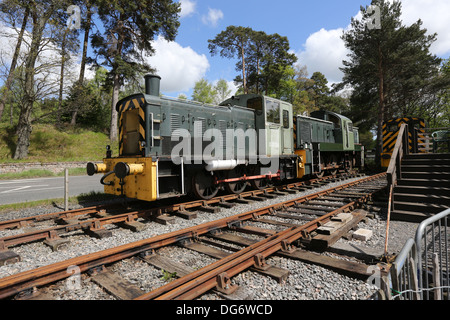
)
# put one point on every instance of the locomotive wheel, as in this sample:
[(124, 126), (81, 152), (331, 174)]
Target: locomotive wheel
[(203, 185), (334, 162), (319, 175), (239, 186), (261, 184)]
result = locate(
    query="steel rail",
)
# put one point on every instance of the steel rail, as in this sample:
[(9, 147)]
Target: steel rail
[(26, 280), (127, 217), (18, 223), (205, 279)]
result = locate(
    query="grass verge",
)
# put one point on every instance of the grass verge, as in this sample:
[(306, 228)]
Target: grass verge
[(49, 144), (40, 173), (81, 199)]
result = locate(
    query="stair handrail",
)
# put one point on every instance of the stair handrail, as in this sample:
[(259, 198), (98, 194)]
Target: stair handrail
[(400, 149), (394, 171)]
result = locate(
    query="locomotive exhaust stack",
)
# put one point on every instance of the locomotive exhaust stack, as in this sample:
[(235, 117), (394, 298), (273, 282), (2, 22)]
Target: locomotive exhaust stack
[(152, 84)]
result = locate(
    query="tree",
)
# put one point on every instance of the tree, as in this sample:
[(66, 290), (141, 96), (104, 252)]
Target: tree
[(204, 92), (388, 67), (319, 88), (222, 91), (40, 13), (130, 27), (67, 40), (13, 7), (262, 59), (182, 96), (88, 6), (93, 101), (234, 43), (302, 102), (276, 62), (438, 113)]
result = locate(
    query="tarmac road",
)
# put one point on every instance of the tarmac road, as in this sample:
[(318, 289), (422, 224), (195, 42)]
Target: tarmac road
[(24, 190)]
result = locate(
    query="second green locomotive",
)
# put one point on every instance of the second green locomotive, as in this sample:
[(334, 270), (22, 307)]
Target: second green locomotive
[(173, 147)]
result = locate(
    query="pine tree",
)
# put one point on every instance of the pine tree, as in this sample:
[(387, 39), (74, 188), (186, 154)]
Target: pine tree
[(130, 27), (234, 43), (389, 65)]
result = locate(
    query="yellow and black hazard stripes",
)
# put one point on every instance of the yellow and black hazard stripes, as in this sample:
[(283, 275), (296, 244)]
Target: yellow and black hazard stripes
[(131, 124), (421, 137), (389, 138), (390, 131)]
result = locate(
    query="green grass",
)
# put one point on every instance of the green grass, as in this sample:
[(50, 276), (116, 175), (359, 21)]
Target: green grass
[(81, 199), (48, 144), (40, 173)]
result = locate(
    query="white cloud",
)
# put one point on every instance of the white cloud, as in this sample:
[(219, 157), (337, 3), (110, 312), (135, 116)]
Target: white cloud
[(213, 17), (179, 67), (324, 51), (47, 64), (435, 17), (187, 8)]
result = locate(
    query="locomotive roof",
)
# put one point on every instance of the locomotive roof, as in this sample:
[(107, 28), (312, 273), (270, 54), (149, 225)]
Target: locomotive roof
[(314, 119), (322, 113), (152, 99)]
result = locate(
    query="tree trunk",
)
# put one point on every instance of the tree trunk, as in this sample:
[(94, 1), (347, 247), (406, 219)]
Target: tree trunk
[(87, 29), (61, 78), (113, 134), (381, 106), (244, 79), (115, 98), (9, 80), (23, 134), (24, 127)]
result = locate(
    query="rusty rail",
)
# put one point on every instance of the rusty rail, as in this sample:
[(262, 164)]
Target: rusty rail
[(19, 223), (96, 224), (207, 278), (17, 283)]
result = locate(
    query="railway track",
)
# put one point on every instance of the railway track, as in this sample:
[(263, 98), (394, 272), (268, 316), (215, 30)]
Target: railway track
[(179, 208), (238, 243), (93, 220)]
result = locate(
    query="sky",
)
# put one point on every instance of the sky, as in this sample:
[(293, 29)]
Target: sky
[(313, 28)]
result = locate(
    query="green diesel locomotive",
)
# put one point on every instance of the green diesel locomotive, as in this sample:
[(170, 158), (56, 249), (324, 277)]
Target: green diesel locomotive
[(170, 147)]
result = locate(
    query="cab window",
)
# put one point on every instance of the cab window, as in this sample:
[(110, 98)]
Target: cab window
[(272, 111), (255, 104), (335, 120), (286, 119)]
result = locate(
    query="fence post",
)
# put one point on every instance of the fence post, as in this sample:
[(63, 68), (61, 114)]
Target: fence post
[(436, 277), (414, 285), (394, 279), (385, 288), (66, 189)]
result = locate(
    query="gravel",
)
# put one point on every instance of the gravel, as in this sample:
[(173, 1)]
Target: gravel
[(305, 282)]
